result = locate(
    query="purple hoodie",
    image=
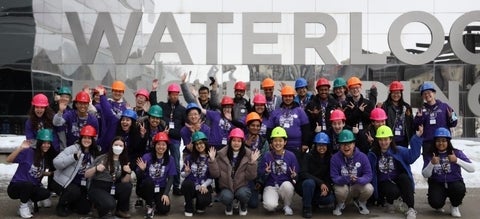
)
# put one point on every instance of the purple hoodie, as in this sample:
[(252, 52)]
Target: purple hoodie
[(433, 117), (341, 168)]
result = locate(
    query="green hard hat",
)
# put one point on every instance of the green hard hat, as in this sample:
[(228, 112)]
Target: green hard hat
[(155, 111), (339, 82), (64, 90), (278, 132), (45, 135), (198, 135), (346, 136)]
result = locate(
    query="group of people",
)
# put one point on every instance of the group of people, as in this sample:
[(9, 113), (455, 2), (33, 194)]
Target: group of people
[(332, 148)]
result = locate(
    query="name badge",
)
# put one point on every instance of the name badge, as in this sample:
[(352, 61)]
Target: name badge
[(398, 133), (171, 125), (433, 121), (112, 190), (156, 189), (83, 182), (286, 125), (224, 141), (324, 127), (360, 126)]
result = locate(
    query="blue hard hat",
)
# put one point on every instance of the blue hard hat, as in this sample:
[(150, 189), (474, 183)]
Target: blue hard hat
[(130, 114), (321, 138), (426, 86), (442, 133), (301, 82), (191, 106)]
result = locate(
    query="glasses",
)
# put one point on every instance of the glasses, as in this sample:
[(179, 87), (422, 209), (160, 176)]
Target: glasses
[(346, 144)]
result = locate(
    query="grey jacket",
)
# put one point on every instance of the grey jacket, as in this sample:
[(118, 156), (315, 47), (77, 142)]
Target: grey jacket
[(66, 166)]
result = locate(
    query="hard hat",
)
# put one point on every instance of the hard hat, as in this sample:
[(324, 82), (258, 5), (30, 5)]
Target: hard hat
[(198, 135), (301, 82), (442, 133), (192, 106), (378, 114), (82, 97), (236, 133), (45, 135), (384, 132), (240, 85), (426, 86), (143, 92), (161, 136), (130, 114), (40, 100), (118, 85), (252, 117), (321, 138), (259, 99), (268, 82), (337, 115), (173, 87), (279, 132), (339, 82), (288, 90), (226, 100), (323, 82), (346, 136), (88, 130), (155, 111), (354, 81), (64, 90), (396, 86)]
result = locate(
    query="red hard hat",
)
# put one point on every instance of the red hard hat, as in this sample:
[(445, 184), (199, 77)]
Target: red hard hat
[(337, 115), (226, 100), (40, 100), (240, 85), (378, 114), (82, 97), (143, 92), (173, 88), (236, 133), (259, 99), (161, 136), (88, 130), (323, 82), (396, 86)]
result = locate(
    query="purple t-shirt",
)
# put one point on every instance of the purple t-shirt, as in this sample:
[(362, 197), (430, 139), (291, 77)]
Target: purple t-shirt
[(26, 171), (219, 128), (158, 171), (198, 170), (292, 120), (281, 167), (446, 171)]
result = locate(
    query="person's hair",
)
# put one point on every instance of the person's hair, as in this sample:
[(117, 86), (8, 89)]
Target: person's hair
[(94, 150), (123, 157), (46, 119), (401, 102), (433, 148), (378, 151), (195, 153), (39, 156), (241, 153), (203, 88), (328, 152), (166, 155)]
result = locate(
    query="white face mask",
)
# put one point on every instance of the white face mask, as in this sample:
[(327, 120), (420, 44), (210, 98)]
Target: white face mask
[(117, 150)]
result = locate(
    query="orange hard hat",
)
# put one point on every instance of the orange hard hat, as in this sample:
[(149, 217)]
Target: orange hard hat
[(252, 117), (288, 90), (268, 82), (118, 85), (354, 81)]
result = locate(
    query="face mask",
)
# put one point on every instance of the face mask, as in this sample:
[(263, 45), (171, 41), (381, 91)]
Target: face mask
[(117, 150)]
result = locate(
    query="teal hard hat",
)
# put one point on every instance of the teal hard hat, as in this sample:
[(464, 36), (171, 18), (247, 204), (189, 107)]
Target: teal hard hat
[(155, 111), (45, 135), (339, 82), (198, 135), (346, 136), (64, 90)]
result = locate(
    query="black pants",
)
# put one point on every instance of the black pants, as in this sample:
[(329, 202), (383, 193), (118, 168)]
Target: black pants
[(147, 192), (190, 193), (99, 195), (27, 191), (438, 193), (400, 187), (74, 197)]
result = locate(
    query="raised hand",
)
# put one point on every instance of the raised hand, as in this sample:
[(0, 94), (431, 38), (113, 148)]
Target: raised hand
[(435, 159), (212, 153), (362, 107), (293, 173), (100, 89), (452, 157), (155, 84), (355, 129), (143, 130), (351, 105), (100, 167), (186, 168), (419, 132), (126, 168), (255, 155), (318, 128), (268, 167), (183, 77), (369, 137), (141, 164)]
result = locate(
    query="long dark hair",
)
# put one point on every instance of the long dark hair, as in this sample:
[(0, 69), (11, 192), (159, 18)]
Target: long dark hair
[(166, 155), (123, 157), (241, 152), (46, 119), (389, 100), (94, 149), (378, 151), (433, 148), (195, 153), (47, 157)]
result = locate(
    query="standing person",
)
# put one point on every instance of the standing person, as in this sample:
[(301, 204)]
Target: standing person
[(194, 124), (117, 103), (272, 101), (303, 96), (351, 175), (315, 184), (259, 107), (197, 183), (141, 98), (209, 99), (320, 106), (443, 166), (434, 114), (279, 168), (62, 95), (156, 170), (235, 166), (70, 182), (392, 176), (153, 125), (33, 165), (366, 137), (241, 105), (221, 123), (358, 108), (110, 186), (399, 114), (40, 117), (340, 92), (175, 118)]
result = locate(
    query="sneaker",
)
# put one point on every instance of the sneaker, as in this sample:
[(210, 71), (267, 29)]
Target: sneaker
[(243, 212), (362, 207), (456, 212), (46, 203), (411, 213), (390, 208), (139, 203), (288, 210), (200, 211), (440, 210), (177, 191), (149, 213), (188, 214), (307, 212), (24, 211), (338, 210), (229, 210)]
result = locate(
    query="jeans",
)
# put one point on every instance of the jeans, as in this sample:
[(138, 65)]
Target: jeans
[(175, 151), (312, 194), (242, 195), (100, 196)]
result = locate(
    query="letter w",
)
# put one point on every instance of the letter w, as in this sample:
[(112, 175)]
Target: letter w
[(104, 24)]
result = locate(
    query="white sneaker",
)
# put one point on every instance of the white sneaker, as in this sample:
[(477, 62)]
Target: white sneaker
[(188, 214), (46, 203), (362, 207), (440, 210), (456, 212), (228, 213), (411, 213), (24, 211), (242, 212), (288, 210), (338, 210)]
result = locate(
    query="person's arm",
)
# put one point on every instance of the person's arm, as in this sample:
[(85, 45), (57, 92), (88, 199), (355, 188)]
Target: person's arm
[(25, 145), (168, 186), (469, 167), (187, 95), (427, 170)]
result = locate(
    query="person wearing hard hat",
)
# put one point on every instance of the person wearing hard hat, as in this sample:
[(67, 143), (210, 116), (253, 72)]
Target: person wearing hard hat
[(194, 123), (209, 99), (272, 100), (279, 168), (320, 106), (175, 118), (351, 175), (443, 165), (62, 95), (340, 92), (434, 114), (118, 104), (154, 125), (234, 166), (337, 120), (141, 98), (358, 108), (303, 96), (40, 116), (366, 137), (392, 175), (241, 106), (399, 114)]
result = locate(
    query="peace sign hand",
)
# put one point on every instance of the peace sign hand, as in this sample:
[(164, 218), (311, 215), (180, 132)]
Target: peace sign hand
[(293, 174), (143, 130), (268, 167), (187, 169)]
